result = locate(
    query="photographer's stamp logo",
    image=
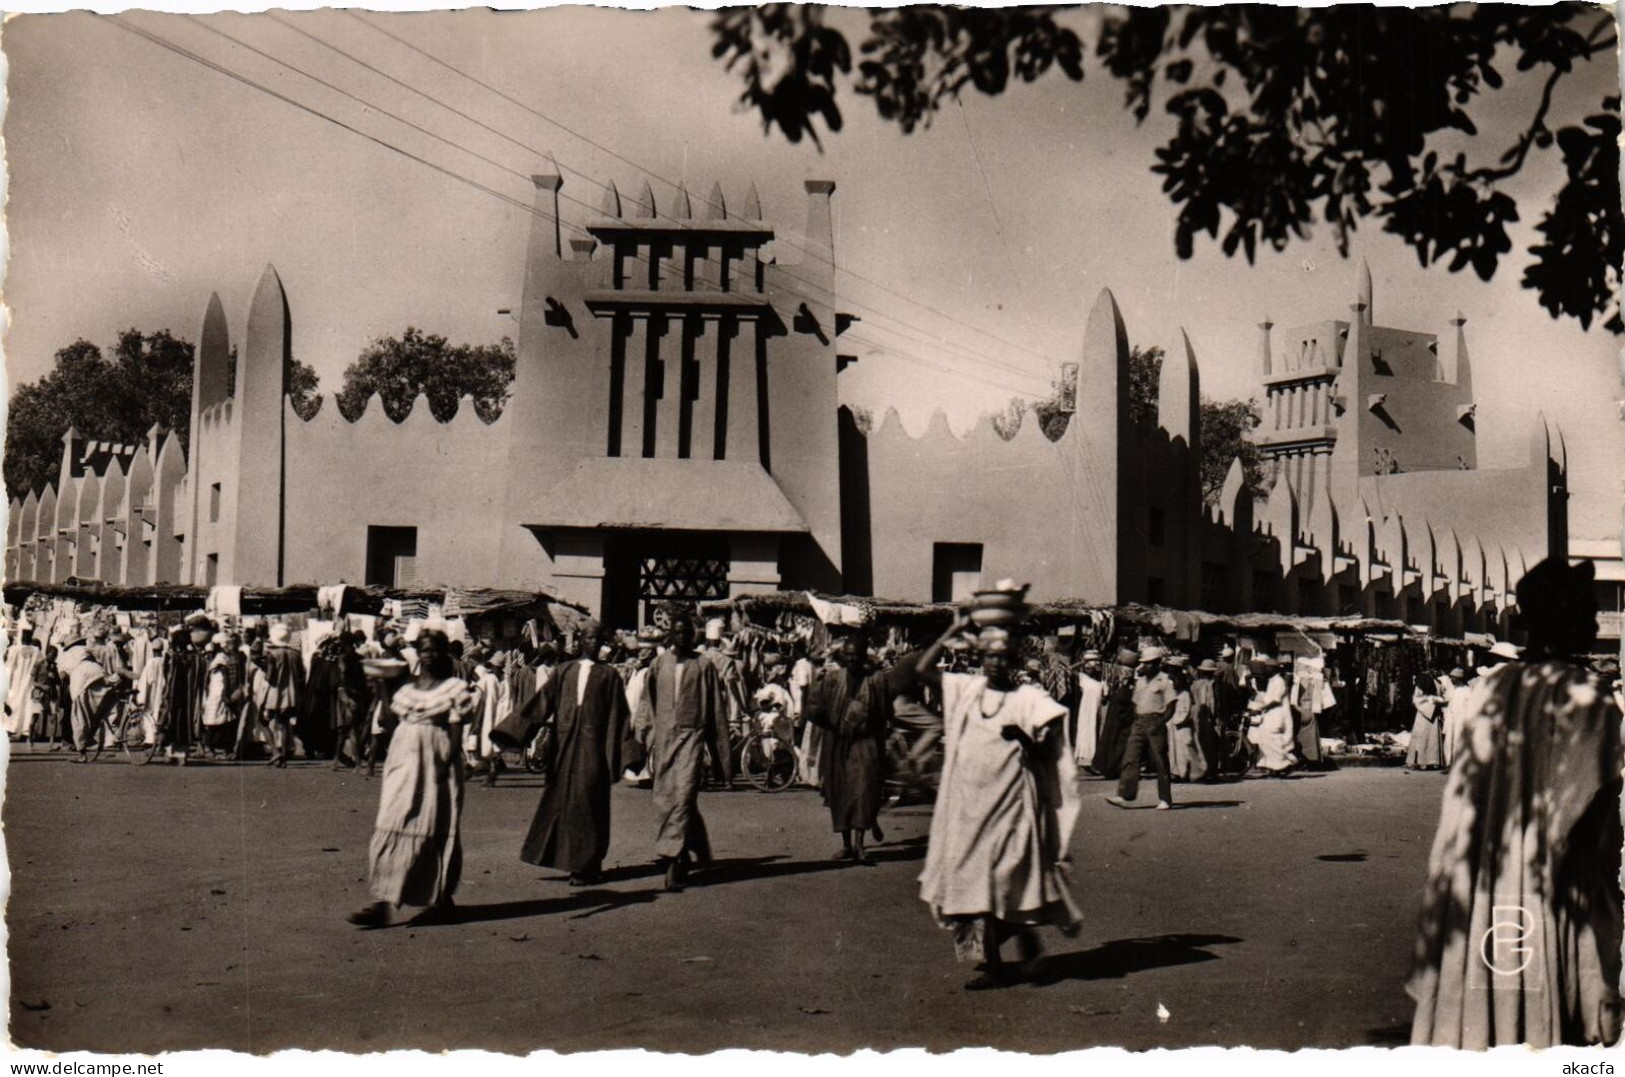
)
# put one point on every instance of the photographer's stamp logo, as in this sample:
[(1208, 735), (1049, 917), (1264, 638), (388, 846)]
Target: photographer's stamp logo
[(1508, 945)]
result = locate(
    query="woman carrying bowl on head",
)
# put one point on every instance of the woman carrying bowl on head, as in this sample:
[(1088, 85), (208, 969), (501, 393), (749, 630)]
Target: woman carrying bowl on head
[(995, 867), (417, 855)]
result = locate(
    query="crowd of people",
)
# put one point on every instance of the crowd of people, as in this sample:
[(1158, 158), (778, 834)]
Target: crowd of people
[(1532, 745)]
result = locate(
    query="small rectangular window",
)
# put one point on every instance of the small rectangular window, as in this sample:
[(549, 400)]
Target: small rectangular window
[(211, 570), (1154, 529), (1154, 590), (214, 503), (956, 570), (390, 551), (1214, 585), (1263, 589)]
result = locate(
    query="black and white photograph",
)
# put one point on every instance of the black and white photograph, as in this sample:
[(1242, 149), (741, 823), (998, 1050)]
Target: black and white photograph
[(813, 529)]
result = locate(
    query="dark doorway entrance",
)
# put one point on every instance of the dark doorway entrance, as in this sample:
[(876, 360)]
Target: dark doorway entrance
[(642, 568)]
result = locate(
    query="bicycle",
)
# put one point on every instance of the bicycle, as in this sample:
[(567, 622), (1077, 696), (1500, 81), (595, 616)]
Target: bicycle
[(767, 761), (531, 756), (914, 751), (123, 722)]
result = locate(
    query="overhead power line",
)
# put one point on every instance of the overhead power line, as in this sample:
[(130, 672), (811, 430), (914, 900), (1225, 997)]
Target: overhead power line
[(374, 106), (516, 203), (651, 173)]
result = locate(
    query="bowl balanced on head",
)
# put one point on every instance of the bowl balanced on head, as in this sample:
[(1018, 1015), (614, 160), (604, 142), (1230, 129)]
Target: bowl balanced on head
[(1003, 604)]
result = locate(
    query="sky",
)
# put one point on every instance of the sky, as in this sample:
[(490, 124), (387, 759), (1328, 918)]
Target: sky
[(972, 251)]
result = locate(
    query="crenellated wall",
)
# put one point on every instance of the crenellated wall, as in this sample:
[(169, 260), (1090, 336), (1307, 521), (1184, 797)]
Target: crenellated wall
[(445, 479), (675, 398)]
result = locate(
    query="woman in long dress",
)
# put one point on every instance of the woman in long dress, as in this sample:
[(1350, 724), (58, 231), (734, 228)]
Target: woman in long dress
[(1426, 751), (995, 865), (417, 855)]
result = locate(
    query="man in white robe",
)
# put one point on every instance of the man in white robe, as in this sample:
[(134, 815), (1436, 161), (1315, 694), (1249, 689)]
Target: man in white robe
[(1091, 704), (21, 661)]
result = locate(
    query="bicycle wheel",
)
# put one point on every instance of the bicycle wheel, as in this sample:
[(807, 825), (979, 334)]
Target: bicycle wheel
[(767, 763), (100, 739), (133, 737)]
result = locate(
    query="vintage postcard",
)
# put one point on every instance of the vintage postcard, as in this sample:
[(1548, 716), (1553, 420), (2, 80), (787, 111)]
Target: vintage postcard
[(813, 529)]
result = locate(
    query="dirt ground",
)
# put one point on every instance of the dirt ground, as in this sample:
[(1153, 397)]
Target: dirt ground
[(162, 908)]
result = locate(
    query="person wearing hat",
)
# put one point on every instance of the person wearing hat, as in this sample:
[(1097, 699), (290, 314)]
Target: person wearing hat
[(1154, 697), (852, 704), (283, 667), (1118, 719), (1091, 709), (1204, 717), (1519, 937), (995, 864), (1500, 653), (585, 701), (682, 718), (1185, 760), (723, 653)]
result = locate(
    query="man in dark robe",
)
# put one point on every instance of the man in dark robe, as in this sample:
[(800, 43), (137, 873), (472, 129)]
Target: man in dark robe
[(186, 677), (852, 703), (1119, 719), (586, 701), (682, 719)]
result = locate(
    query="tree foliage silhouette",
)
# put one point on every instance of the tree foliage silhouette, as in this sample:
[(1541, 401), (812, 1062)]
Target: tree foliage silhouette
[(400, 369), (1282, 116), (147, 380)]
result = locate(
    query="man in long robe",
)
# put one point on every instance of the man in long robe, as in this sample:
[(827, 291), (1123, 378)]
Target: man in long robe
[(1519, 937), (1091, 710), (852, 703), (21, 661), (633, 758), (586, 702), (1119, 719), (1455, 712), (90, 690), (723, 653), (186, 674), (1204, 712), (681, 719)]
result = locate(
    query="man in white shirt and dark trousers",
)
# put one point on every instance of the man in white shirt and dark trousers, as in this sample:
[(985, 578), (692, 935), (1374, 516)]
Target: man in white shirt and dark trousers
[(1154, 698)]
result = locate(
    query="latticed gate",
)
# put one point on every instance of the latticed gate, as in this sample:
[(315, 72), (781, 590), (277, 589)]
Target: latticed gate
[(683, 579)]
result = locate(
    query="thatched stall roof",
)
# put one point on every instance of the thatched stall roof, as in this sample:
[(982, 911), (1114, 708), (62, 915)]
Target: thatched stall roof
[(765, 606), (1167, 619), (301, 598), (162, 596)]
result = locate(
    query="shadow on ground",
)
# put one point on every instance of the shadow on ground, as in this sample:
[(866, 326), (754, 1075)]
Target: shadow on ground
[(1122, 957)]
